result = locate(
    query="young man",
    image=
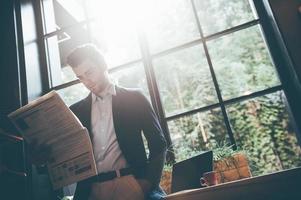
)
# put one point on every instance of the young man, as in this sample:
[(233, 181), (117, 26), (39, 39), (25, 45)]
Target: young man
[(115, 118)]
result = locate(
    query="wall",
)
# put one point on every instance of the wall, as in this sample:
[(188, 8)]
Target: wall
[(18, 85), (289, 23), (9, 66), (12, 186)]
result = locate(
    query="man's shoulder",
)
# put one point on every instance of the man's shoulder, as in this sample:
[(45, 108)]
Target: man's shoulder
[(126, 90), (131, 98), (123, 91)]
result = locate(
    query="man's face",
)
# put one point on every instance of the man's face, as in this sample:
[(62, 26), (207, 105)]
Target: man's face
[(93, 76)]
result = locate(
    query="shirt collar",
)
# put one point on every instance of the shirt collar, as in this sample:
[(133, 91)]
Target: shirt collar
[(110, 90)]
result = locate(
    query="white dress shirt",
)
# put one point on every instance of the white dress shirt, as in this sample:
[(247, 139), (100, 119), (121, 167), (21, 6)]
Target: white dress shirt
[(107, 153)]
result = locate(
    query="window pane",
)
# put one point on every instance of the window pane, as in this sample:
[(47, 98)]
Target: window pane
[(74, 93), (263, 128), (58, 49), (118, 42), (169, 23), (184, 80), (61, 13), (215, 16), (198, 132), (114, 29), (242, 63), (132, 77)]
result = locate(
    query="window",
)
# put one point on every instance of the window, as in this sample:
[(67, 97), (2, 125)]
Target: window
[(211, 74)]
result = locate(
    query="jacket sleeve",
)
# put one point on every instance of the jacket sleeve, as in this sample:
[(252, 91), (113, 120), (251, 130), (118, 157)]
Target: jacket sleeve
[(155, 140)]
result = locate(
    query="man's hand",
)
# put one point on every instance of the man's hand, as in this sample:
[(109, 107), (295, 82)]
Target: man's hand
[(145, 185), (38, 154)]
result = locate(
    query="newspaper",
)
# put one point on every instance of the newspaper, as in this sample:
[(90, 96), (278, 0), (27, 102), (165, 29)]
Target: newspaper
[(48, 121)]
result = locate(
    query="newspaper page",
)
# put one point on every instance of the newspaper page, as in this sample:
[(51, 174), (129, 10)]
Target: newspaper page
[(48, 121)]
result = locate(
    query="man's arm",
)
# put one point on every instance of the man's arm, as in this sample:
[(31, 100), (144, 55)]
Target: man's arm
[(155, 140)]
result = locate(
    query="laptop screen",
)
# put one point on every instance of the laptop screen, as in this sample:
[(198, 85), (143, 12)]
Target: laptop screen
[(187, 173)]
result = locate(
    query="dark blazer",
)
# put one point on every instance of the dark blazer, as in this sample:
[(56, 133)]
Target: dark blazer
[(132, 114)]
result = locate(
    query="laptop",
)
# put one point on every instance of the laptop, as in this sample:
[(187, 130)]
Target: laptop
[(187, 173)]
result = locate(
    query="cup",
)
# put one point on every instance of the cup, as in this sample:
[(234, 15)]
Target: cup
[(209, 179)]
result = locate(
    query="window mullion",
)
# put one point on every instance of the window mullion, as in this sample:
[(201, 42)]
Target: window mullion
[(46, 82), (218, 92), (153, 89)]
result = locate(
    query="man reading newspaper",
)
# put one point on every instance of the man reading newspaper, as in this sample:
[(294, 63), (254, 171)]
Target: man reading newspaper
[(57, 137), (115, 118)]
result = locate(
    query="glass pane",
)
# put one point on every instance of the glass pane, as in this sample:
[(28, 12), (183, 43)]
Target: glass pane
[(118, 42), (59, 47), (114, 29), (132, 77), (242, 63), (62, 13), (74, 93), (215, 16), (184, 80), (263, 128), (169, 23), (195, 133)]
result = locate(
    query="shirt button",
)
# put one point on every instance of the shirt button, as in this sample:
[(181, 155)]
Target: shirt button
[(103, 148)]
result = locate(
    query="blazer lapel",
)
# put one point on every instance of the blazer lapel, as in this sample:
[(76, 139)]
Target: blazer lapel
[(117, 116), (116, 110), (86, 113)]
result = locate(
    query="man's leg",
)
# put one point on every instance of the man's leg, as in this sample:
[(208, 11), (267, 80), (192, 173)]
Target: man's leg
[(127, 188), (102, 191), (122, 188)]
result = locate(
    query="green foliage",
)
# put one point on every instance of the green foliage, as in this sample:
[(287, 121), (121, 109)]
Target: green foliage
[(196, 133), (223, 151), (262, 127), (167, 167)]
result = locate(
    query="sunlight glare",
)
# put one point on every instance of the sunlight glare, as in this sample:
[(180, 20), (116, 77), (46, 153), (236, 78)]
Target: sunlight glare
[(116, 25)]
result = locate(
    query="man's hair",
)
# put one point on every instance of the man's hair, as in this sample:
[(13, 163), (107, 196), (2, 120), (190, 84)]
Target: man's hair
[(84, 52)]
